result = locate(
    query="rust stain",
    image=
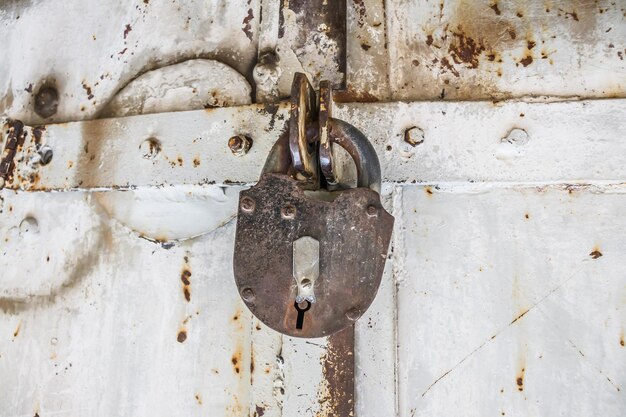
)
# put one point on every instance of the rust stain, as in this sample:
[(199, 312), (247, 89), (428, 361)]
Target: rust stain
[(182, 336), (527, 60), (519, 316), (127, 30), (185, 278), (198, 399), (351, 96), (495, 8), (236, 360), (621, 338), (595, 254), (465, 49), (38, 133), (520, 379), (196, 162), (251, 367), (527, 216), (247, 27), (445, 64), (428, 190), (88, 90), (17, 329)]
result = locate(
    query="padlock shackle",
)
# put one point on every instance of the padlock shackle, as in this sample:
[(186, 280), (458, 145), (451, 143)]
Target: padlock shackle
[(343, 134), (360, 149)]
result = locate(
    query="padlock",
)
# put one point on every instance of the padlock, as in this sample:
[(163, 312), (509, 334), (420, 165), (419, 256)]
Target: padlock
[(305, 266)]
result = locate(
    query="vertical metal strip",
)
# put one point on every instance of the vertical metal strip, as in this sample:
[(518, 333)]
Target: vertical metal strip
[(338, 368)]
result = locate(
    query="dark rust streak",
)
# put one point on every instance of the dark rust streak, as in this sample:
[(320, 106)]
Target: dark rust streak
[(519, 317), (38, 133), (88, 90), (247, 27), (185, 276), (127, 30), (520, 380), (527, 60), (15, 139), (595, 254), (360, 6), (495, 8), (447, 65), (338, 369)]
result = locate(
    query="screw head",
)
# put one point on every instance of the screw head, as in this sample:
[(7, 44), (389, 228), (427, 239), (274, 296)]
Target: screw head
[(247, 204), (288, 212), (247, 294), (372, 210)]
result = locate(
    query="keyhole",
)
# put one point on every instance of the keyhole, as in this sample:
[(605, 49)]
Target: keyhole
[(301, 311)]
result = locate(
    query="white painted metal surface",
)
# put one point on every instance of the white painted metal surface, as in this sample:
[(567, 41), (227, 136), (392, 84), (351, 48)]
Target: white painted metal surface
[(504, 293)]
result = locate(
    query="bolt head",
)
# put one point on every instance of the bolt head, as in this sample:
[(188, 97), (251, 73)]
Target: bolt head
[(372, 210), (247, 204), (414, 136), (239, 145)]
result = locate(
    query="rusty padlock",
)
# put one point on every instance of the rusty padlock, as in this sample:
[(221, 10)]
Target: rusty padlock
[(305, 266)]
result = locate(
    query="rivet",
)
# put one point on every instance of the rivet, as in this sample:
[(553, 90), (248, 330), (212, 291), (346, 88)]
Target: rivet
[(247, 204), (306, 283), (150, 148), (29, 226), (288, 212), (372, 211), (239, 145), (353, 314), (247, 294), (516, 136)]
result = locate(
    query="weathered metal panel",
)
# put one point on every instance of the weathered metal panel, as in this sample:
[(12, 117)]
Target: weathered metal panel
[(521, 300), (504, 290), (90, 49), (490, 49)]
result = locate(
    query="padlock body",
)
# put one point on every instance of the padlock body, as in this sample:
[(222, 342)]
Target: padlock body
[(353, 231)]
